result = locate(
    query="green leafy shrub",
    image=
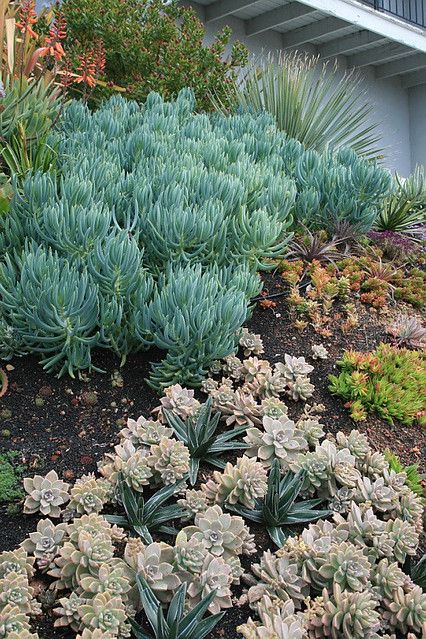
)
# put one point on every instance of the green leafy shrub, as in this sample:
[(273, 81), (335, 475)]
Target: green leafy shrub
[(10, 477), (154, 231), (30, 95), (153, 46), (390, 381)]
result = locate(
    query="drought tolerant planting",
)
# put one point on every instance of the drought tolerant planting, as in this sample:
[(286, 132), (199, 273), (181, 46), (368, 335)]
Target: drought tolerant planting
[(212, 341)]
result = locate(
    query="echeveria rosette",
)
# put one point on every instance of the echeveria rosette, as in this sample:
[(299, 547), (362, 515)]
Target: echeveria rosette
[(279, 439), (45, 494), (216, 575), (220, 533), (105, 612), (44, 542)]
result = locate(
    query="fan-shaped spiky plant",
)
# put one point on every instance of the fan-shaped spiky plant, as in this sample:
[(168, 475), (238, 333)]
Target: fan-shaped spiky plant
[(177, 623), (405, 210), (311, 101), (143, 517), (199, 436), (279, 509)]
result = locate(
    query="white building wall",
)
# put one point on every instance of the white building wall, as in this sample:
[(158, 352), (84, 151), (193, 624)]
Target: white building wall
[(392, 108), (417, 109)]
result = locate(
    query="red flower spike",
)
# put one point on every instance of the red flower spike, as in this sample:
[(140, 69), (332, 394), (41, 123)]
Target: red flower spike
[(27, 17)]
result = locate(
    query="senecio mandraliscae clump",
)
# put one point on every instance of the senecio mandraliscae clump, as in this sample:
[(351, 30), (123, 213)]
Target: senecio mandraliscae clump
[(45, 494)]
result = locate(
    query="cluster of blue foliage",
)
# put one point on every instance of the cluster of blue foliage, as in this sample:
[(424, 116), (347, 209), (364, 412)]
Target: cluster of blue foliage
[(153, 228)]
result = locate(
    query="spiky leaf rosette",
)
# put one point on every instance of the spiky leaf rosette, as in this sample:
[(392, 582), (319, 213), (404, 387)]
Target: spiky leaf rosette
[(279, 508), (177, 623), (143, 517), (199, 436)]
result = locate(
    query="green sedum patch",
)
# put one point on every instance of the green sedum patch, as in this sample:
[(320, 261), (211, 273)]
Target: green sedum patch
[(389, 381), (10, 476)]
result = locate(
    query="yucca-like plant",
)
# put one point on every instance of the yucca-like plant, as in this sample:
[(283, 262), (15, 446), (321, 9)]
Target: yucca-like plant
[(144, 517), (279, 508), (311, 101), (31, 96), (314, 246), (405, 210), (199, 436), (176, 623)]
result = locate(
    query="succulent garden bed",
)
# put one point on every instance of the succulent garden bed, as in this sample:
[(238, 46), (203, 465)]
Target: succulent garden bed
[(212, 342), (69, 425)]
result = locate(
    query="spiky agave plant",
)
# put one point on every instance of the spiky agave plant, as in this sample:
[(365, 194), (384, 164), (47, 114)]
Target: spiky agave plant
[(405, 210), (199, 436), (408, 331), (316, 246), (279, 509), (143, 517), (309, 100), (176, 624)]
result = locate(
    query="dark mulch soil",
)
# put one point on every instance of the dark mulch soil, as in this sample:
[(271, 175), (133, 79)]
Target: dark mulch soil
[(78, 421)]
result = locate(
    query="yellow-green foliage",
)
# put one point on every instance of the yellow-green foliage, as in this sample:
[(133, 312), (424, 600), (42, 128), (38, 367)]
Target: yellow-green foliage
[(390, 381)]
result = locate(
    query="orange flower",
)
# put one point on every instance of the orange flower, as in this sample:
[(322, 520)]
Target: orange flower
[(57, 32), (27, 17), (91, 65), (87, 68)]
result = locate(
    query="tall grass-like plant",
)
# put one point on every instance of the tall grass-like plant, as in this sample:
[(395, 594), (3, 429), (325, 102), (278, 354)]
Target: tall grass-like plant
[(311, 101), (405, 210)]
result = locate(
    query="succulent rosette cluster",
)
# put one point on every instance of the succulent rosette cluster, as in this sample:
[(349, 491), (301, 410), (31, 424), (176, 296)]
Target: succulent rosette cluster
[(341, 577)]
